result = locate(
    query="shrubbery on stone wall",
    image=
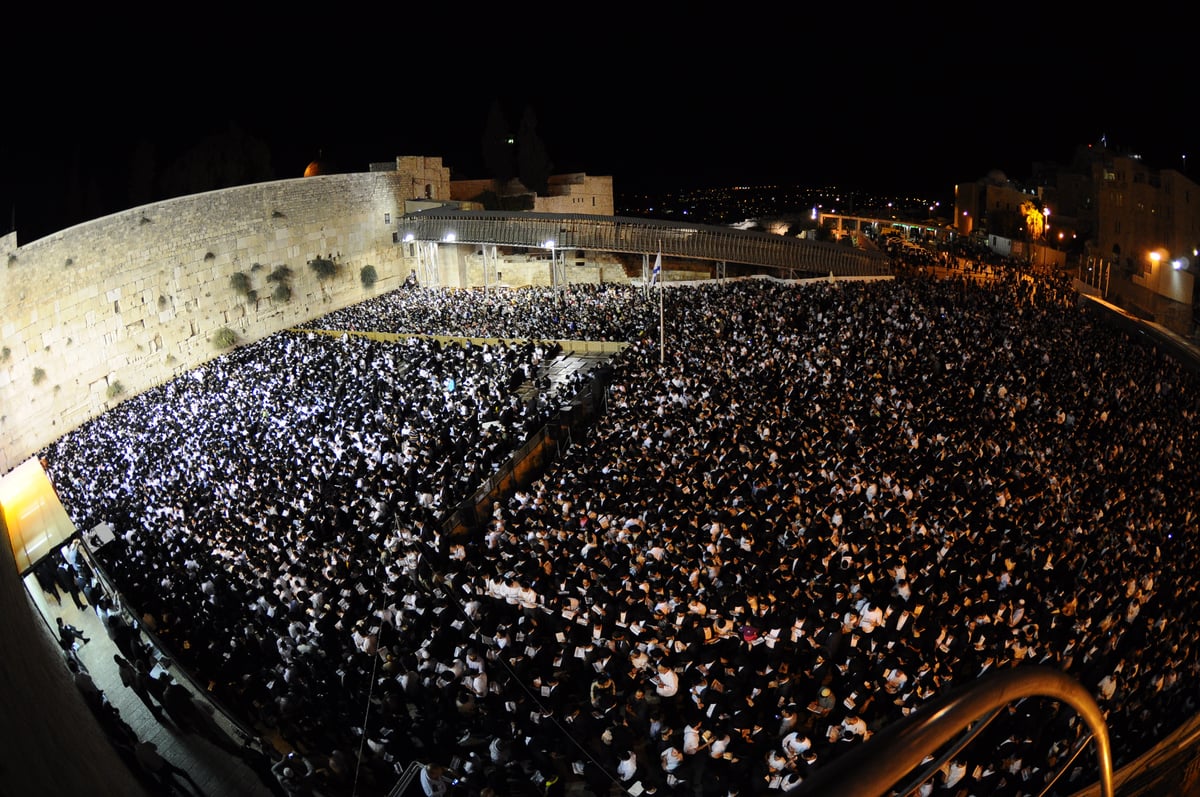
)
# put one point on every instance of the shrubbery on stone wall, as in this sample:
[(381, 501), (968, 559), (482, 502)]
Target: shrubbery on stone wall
[(369, 276), (240, 282), (323, 267), (224, 338), (282, 277)]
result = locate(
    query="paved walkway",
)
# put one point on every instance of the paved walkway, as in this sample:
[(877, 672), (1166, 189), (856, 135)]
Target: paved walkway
[(218, 773)]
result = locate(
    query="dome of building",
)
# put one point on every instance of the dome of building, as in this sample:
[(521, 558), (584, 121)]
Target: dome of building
[(997, 177), (315, 168)]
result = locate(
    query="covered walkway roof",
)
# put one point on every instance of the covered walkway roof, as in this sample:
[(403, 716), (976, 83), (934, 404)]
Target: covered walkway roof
[(778, 254)]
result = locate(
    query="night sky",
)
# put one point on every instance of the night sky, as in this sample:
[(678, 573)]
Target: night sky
[(666, 98)]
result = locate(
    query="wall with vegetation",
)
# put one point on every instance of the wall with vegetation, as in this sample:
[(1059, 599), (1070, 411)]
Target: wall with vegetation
[(104, 310)]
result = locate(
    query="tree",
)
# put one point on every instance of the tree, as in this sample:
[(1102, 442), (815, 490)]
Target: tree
[(222, 160), (498, 146), (1035, 220), (533, 163)]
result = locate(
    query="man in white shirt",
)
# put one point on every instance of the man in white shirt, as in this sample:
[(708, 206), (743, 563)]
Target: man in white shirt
[(433, 781), (870, 618), (854, 725), (666, 681), (627, 765), (955, 771), (795, 744), (691, 738)]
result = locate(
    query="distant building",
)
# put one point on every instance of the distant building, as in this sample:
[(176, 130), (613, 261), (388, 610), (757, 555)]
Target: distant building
[(1132, 231), (566, 193), (989, 205), (428, 178)]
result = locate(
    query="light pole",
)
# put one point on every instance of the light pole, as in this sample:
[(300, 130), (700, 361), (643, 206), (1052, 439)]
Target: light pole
[(1045, 234), (550, 244)]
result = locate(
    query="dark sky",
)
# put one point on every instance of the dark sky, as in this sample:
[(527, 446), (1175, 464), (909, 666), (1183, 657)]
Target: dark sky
[(667, 97)]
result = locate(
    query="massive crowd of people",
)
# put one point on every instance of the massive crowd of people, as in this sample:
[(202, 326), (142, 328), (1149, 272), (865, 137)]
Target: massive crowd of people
[(828, 504)]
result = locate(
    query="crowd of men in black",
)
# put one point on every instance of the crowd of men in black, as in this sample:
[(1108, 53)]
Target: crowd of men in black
[(832, 502)]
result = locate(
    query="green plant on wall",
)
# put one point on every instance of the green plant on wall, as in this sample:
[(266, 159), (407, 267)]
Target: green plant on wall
[(39, 376), (323, 267), (369, 276), (12, 259), (224, 338), (5, 353), (209, 256), (240, 282), (281, 275), (114, 390)]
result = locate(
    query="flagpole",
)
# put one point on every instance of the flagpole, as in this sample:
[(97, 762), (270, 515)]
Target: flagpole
[(661, 337), (661, 350)]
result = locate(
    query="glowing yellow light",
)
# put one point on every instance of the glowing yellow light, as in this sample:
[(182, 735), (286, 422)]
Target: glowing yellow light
[(35, 520)]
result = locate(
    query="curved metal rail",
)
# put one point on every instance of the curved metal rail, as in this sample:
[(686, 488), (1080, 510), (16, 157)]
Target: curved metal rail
[(893, 752)]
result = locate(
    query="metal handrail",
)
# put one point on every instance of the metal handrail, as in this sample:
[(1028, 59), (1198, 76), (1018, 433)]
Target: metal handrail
[(586, 232), (873, 768)]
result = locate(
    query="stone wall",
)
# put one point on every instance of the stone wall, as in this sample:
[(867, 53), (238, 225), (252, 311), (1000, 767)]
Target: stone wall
[(519, 269), (578, 193), (104, 310), (565, 193), (52, 743)]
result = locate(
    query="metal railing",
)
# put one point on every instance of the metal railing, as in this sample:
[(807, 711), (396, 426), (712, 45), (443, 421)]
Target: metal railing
[(782, 255), (896, 750)]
